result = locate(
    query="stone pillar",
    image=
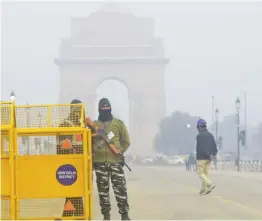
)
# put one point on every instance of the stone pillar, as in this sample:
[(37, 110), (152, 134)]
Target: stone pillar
[(132, 124), (150, 114), (148, 131), (145, 113), (135, 123)]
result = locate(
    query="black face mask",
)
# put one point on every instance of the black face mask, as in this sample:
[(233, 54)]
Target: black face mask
[(105, 115), (201, 129)]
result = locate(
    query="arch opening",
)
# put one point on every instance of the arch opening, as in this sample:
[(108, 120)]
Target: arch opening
[(118, 95)]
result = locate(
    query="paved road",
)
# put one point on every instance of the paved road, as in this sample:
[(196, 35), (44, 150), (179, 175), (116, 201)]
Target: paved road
[(168, 193)]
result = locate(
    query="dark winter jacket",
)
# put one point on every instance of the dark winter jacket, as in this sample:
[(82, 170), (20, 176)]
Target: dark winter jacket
[(206, 145)]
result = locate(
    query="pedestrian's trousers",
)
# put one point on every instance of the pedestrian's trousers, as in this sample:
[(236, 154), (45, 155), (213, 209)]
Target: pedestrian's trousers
[(203, 167), (105, 171)]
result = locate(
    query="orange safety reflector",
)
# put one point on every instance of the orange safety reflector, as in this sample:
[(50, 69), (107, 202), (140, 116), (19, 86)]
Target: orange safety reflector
[(66, 144), (78, 137), (69, 206)]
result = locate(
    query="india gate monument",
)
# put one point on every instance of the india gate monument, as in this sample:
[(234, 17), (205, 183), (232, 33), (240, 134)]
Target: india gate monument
[(110, 44)]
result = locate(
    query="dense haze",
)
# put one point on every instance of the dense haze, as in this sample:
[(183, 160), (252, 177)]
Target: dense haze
[(214, 49)]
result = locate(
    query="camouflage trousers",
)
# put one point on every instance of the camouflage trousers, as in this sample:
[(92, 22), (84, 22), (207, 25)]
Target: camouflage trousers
[(105, 171)]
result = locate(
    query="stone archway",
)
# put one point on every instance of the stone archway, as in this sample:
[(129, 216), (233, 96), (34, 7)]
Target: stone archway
[(118, 94), (116, 45)]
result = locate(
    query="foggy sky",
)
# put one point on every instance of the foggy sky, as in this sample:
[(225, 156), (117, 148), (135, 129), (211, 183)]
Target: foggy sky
[(214, 49)]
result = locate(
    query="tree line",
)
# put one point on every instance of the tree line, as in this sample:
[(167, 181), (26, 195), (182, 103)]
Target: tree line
[(177, 134)]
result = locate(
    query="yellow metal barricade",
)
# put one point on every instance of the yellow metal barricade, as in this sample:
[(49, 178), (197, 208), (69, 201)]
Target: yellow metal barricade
[(52, 163)]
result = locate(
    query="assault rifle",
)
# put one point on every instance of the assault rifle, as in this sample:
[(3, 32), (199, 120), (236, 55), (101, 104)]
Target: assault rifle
[(101, 133)]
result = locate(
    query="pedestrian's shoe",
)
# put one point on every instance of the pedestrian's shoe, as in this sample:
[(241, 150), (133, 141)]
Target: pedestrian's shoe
[(202, 192), (125, 216), (210, 187), (107, 216)]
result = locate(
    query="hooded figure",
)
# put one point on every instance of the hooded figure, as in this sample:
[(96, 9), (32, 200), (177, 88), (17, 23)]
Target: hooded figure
[(107, 164)]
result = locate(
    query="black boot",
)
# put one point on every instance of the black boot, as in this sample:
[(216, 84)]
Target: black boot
[(125, 216), (106, 216)]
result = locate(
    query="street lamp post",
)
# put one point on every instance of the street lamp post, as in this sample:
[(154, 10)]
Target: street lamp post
[(12, 96), (238, 138), (217, 114), (213, 111), (245, 99)]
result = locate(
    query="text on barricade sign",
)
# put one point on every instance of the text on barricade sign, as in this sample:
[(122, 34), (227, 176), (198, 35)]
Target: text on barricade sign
[(66, 174)]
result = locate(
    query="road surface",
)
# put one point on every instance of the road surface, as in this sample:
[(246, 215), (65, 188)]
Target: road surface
[(170, 193)]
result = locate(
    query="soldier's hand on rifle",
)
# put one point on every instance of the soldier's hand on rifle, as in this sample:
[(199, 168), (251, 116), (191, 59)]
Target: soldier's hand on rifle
[(91, 124), (115, 150)]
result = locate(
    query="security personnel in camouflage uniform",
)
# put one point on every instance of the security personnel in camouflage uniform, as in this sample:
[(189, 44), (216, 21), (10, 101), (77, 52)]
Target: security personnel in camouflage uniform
[(73, 120), (109, 165)]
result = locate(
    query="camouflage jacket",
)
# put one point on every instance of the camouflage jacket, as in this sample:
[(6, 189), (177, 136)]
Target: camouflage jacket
[(101, 151)]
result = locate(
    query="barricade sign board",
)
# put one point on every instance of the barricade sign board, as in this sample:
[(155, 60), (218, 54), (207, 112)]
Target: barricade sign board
[(66, 175), (50, 172)]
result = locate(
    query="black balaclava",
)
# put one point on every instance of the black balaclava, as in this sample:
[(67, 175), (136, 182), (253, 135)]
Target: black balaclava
[(104, 109)]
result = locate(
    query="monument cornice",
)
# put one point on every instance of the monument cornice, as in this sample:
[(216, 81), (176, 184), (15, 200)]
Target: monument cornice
[(110, 60)]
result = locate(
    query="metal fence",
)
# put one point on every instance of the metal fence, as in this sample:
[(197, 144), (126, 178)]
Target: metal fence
[(245, 165)]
